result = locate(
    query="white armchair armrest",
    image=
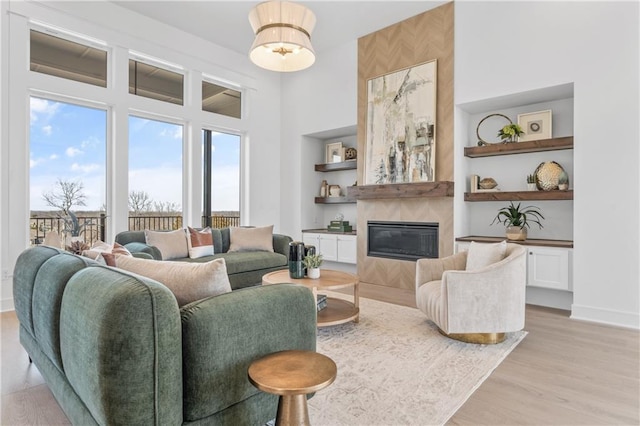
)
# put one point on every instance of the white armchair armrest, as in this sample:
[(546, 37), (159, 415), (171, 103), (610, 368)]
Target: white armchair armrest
[(428, 270)]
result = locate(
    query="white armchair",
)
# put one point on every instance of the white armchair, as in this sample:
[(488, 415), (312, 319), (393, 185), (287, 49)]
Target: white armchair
[(476, 306)]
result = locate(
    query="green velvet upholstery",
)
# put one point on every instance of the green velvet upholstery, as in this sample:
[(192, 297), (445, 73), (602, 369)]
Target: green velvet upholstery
[(245, 269), (221, 354), (115, 349), (121, 348)]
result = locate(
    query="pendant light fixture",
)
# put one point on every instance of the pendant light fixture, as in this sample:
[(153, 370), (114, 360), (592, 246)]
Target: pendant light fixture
[(283, 36)]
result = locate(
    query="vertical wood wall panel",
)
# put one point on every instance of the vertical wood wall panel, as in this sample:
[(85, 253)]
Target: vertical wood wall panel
[(416, 40)]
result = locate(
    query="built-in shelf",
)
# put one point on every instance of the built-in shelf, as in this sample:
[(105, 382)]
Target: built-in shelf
[(334, 167), (335, 200), (527, 242), (401, 190), (554, 144), (518, 195)]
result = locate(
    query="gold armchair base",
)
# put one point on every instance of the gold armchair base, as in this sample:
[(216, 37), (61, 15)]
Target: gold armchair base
[(477, 338)]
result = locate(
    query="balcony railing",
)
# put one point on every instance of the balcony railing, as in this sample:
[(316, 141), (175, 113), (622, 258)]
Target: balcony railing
[(95, 226)]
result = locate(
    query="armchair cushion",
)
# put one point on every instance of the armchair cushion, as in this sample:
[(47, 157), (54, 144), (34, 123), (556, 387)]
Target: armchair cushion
[(481, 255)]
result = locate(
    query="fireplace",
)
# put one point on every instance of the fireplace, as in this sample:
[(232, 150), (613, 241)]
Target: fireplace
[(402, 240)]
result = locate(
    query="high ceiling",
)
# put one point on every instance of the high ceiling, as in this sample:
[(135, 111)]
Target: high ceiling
[(226, 23)]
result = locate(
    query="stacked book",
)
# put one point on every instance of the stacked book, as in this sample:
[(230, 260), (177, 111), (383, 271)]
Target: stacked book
[(339, 226), (322, 301)]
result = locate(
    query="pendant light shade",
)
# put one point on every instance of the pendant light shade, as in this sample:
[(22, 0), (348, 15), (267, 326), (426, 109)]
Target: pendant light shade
[(283, 36)]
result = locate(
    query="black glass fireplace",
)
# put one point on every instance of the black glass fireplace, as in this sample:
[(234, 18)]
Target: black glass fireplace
[(402, 240)]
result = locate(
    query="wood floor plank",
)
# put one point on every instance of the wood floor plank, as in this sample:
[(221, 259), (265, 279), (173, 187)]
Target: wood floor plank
[(565, 372)]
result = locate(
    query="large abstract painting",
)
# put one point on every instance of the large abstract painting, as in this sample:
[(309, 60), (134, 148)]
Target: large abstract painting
[(400, 128)]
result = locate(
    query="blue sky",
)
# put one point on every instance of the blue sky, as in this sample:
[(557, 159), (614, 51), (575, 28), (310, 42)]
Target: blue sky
[(68, 142)]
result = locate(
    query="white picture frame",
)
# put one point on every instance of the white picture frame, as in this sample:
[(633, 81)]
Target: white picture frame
[(536, 125), (334, 153)]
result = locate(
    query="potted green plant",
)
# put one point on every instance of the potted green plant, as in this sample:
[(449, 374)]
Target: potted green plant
[(531, 183), (312, 262), (517, 219), (510, 133)]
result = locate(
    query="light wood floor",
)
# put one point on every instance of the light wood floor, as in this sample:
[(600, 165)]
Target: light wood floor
[(565, 372)]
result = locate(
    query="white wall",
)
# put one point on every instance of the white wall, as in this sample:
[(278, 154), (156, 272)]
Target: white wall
[(318, 99), (511, 47), (122, 30)]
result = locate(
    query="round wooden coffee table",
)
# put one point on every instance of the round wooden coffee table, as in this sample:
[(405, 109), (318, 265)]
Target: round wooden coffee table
[(292, 375), (338, 311)]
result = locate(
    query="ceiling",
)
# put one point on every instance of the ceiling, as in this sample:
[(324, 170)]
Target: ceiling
[(226, 23)]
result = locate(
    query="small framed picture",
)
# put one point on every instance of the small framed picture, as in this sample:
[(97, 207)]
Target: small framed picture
[(536, 125), (334, 153)]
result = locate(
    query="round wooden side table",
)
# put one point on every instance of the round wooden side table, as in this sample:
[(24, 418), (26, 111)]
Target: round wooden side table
[(292, 375)]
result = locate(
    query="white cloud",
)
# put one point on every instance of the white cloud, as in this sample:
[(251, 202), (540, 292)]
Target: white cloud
[(53, 157), (72, 152), (47, 130), (175, 132), (42, 107), (85, 168), (91, 141)]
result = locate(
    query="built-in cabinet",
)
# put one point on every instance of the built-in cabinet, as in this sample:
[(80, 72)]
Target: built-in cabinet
[(334, 247), (547, 267)]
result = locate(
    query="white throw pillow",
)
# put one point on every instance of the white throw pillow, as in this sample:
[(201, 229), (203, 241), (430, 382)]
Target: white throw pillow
[(172, 244), (187, 281), (200, 243), (251, 239), (481, 254), (103, 252)]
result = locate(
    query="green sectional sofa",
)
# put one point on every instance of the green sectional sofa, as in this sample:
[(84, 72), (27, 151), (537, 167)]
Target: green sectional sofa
[(115, 349), (245, 268)]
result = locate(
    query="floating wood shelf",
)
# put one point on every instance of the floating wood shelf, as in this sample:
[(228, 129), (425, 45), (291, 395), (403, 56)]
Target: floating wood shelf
[(334, 167), (554, 144), (334, 200), (527, 242), (518, 195), (401, 190)]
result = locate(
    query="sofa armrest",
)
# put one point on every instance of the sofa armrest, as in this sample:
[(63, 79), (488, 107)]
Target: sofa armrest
[(135, 248), (428, 270), (222, 335), (281, 244)]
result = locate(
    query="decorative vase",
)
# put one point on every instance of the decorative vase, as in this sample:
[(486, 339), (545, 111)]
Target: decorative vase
[(516, 233), (547, 175), (563, 186), (313, 273)]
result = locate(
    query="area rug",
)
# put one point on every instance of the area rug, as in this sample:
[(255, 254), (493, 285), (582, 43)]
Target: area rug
[(394, 368)]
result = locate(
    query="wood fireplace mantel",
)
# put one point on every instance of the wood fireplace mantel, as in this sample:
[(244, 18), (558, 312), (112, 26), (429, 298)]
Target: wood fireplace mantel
[(401, 190)]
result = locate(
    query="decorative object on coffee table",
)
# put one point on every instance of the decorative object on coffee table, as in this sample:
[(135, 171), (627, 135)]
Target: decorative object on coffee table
[(312, 262), (547, 175), (292, 375), (517, 220)]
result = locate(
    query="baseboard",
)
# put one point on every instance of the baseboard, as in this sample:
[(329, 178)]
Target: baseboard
[(606, 316), (7, 305)]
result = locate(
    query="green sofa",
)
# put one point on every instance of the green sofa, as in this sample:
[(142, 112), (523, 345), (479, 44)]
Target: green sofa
[(115, 349), (245, 268)]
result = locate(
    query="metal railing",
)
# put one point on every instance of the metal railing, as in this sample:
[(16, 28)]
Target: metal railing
[(94, 227)]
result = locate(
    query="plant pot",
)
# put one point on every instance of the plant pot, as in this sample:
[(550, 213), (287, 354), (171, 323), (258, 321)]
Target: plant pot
[(563, 186), (313, 273), (516, 233), (532, 187)]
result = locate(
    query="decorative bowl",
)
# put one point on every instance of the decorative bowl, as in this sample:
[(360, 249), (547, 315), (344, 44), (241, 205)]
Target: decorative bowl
[(487, 183)]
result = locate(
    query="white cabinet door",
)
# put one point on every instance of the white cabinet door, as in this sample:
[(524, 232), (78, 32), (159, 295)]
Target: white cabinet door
[(328, 247), (310, 239), (548, 267), (347, 252)]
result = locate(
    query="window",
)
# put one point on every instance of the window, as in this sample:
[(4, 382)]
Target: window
[(221, 100), (155, 82), (221, 184), (155, 174), (67, 59), (67, 171)]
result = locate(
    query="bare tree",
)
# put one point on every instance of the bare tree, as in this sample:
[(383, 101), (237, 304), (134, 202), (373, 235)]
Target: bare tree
[(139, 201), (165, 207), (65, 195)]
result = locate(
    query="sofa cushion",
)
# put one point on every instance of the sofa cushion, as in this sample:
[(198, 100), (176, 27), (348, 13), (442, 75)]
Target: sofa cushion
[(251, 239), (481, 254), (200, 243), (187, 281), (172, 244), (238, 262)]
